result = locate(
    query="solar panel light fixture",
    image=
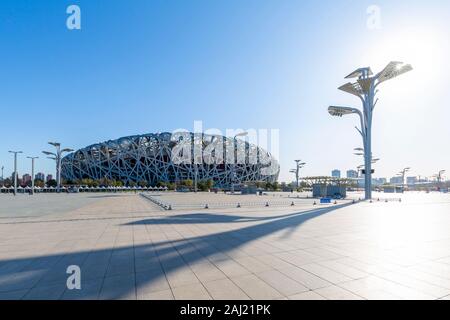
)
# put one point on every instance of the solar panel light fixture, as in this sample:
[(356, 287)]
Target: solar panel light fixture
[(365, 88)]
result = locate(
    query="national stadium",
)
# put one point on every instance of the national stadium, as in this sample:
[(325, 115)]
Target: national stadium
[(169, 157)]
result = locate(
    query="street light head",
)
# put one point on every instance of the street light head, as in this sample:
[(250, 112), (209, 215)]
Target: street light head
[(392, 70), (359, 73), (56, 144), (48, 153), (359, 149), (66, 150), (352, 88), (340, 111)]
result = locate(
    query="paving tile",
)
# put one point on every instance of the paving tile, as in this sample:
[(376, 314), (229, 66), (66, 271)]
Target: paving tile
[(231, 268), (337, 293), (325, 273), (252, 264), (119, 287), (51, 292), (308, 295), (225, 289), (420, 285), (150, 281), (375, 288), (90, 290), (343, 269), (181, 277), (281, 282), (157, 295), (307, 279), (13, 295), (190, 292), (206, 271), (255, 288)]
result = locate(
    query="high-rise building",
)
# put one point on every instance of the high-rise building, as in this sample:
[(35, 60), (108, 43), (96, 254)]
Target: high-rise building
[(336, 173), (379, 181), (411, 180), (352, 174), (40, 176), (396, 180), (26, 178)]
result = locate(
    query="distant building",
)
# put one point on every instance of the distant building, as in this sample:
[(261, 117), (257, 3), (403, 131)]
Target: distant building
[(40, 176), (396, 180), (352, 174), (411, 181), (336, 173), (379, 181), (49, 177), (26, 178)]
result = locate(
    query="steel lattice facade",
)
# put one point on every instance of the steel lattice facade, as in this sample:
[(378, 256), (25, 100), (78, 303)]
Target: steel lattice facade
[(150, 158)]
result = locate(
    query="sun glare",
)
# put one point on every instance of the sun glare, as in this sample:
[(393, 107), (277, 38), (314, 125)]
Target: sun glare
[(423, 48)]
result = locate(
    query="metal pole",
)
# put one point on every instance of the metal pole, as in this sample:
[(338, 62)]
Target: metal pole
[(32, 173), (15, 173), (232, 167), (15, 170), (58, 169), (195, 180)]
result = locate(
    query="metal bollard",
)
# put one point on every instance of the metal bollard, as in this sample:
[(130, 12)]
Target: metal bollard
[(267, 204), (206, 206), (238, 205), (292, 204)]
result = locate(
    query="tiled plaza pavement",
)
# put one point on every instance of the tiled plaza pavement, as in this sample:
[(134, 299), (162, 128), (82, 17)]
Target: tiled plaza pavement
[(128, 248)]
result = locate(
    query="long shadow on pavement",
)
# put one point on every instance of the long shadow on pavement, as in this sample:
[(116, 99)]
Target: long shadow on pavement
[(135, 270)]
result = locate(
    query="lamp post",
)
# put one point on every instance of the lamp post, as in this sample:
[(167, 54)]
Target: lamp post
[(15, 169), (299, 165), (439, 178), (32, 173), (233, 167), (365, 88), (402, 174), (3, 180), (57, 157)]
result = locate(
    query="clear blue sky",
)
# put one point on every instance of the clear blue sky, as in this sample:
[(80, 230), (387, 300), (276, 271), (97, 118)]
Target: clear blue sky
[(147, 66)]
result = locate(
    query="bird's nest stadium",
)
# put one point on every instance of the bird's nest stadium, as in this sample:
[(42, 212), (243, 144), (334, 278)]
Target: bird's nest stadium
[(172, 157)]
